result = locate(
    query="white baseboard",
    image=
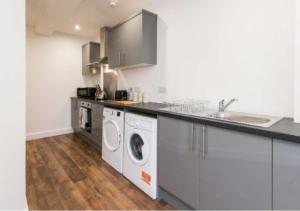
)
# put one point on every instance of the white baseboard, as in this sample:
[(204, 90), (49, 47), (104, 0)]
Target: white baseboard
[(48, 133), (26, 204)]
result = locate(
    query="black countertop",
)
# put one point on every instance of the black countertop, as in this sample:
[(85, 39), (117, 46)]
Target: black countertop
[(285, 129)]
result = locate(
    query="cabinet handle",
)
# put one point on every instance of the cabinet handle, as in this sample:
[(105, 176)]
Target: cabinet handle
[(203, 142), (120, 55), (193, 139)]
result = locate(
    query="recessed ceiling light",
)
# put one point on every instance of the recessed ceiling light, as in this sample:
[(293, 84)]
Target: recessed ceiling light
[(113, 3), (77, 27)]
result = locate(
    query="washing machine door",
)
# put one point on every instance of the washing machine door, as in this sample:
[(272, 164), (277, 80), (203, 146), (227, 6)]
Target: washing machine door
[(138, 148), (111, 135)]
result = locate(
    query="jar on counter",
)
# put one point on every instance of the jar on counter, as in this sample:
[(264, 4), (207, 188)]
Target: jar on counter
[(146, 97), (140, 97), (130, 94), (135, 96)]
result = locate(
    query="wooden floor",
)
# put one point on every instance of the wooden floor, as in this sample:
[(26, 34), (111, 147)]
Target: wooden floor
[(66, 173)]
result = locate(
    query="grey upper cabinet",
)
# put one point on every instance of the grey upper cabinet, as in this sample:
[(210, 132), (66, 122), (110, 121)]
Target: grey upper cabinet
[(178, 160), (286, 175), (97, 112), (90, 55), (133, 43), (114, 48), (75, 114), (235, 171)]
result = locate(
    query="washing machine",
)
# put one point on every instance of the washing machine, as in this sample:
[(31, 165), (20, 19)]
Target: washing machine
[(112, 138), (140, 152)]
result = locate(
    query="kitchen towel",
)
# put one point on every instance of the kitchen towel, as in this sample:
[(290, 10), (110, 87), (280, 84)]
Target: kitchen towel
[(83, 118)]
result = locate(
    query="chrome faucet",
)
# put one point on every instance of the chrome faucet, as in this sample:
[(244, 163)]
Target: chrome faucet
[(222, 106)]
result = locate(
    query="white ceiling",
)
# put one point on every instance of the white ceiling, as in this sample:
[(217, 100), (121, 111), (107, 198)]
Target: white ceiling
[(48, 16)]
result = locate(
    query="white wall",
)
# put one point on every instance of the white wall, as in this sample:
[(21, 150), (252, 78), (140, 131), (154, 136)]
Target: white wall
[(53, 74), (12, 106), (214, 49)]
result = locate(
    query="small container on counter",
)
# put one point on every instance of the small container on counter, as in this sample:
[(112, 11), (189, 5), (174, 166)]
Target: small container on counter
[(130, 94), (140, 97), (135, 96), (146, 97)]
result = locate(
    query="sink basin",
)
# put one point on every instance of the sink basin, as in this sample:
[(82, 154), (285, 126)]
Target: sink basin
[(243, 118), (240, 118)]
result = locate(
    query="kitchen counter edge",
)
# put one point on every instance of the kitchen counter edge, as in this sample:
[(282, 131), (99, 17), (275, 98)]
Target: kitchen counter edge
[(286, 129)]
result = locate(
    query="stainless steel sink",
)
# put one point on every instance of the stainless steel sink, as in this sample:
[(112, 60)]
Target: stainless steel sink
[(199, 109), (243, 118)]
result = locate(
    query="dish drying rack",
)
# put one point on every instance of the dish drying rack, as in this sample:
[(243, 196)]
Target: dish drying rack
[(187, 106)]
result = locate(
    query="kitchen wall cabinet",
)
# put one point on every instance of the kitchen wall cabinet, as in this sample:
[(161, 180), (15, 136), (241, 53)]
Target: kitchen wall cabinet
[(286, 175), (75, 114), (235, 171), (133, 43), (178, 160), (114, 47), (210, 168), (90, 56)]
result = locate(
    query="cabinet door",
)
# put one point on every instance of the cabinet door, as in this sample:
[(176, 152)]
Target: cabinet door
[(97, 114), (114, 47), (94, 54), (235, 171), (131, 41), (85, 59), (178, 160), (75, 114), (286, 175), (134, 42), (125, 43)]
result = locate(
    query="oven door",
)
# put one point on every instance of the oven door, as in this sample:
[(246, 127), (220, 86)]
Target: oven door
[(85, 119)]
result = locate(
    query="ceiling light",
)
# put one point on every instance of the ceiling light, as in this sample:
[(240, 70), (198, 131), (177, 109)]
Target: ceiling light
[(113, 3), (77, 27)]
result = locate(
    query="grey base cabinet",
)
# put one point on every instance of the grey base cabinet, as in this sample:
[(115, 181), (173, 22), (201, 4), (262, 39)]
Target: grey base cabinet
[(75, 114), (210, 168), (178, 160), (97, 117), (286, 175), (235, 171)]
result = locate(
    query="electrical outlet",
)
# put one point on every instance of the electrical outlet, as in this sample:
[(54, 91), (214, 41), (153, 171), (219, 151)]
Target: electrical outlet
[(162, 90)]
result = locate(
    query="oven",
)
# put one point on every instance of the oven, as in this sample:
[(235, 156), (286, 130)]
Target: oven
[(85, 116)]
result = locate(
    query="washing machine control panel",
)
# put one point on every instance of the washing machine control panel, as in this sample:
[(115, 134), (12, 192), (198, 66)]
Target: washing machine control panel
[(139, 124), (112, 112)]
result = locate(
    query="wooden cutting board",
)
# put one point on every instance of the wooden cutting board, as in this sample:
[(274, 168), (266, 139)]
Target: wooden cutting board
[(127, 102)]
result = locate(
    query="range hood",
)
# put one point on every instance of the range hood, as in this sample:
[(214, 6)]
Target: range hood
[(104, 45)]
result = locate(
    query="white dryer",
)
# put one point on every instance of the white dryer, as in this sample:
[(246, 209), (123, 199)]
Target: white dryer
[(112, 138), (140, 152)]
